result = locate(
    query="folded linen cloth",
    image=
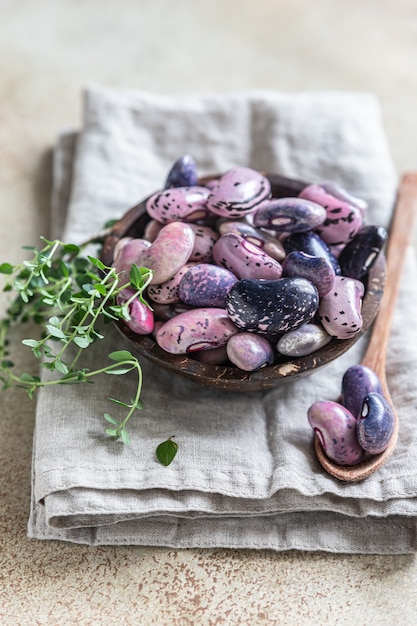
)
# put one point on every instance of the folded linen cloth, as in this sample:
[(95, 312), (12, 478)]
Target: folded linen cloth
[(245, 475)]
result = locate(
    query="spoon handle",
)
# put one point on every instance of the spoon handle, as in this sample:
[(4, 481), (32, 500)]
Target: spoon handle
[(400, 236)]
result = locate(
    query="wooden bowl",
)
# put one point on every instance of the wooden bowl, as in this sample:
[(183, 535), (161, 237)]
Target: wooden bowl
[(229, 377)]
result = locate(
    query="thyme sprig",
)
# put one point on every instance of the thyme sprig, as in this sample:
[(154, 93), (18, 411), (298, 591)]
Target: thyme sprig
[(70, 296)]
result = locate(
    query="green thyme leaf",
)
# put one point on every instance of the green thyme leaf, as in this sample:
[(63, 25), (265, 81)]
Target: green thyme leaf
[(120, 402), (55, 332), (136, 277), (61, 367), (110, 419), (32, 343), (166, 451), (69, 296), (82, 342), (6, 268), (120, 355), (124, 436), (71, 248), (120, 371), (99, 264), (28, 378)]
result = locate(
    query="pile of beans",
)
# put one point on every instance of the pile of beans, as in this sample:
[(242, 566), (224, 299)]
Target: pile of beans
[(363, 424), (240, 277)]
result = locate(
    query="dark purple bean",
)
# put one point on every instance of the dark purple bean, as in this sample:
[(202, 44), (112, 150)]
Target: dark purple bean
[(375, 424), (270, 307), (312, 244), (358, 381), (359, 255), (183, 173)]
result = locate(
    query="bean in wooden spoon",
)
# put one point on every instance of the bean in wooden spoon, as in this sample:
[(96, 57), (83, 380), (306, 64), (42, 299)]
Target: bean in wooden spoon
[(400, 235)]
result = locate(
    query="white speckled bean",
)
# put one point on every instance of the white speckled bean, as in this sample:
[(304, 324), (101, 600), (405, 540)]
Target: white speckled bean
[(304, 340)]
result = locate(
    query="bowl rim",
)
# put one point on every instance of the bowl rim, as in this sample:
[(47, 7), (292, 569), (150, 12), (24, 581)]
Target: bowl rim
[(228, 377)]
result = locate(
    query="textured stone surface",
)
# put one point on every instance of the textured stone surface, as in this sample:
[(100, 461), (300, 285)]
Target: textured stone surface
[(48, 52)]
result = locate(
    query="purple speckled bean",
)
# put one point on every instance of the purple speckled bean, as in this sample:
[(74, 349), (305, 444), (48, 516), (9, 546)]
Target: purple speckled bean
[(273, 247), (375, 423), (238, 192), (205, 238), (289, 215), (339, 192), (141, 316), (244, 259), (343, 220), (186, 204), (169, 252), (317, 269), (340, 309), (206, 284), (358, 381), (249, 352), (335, 427), (168, 292), (197, 329)]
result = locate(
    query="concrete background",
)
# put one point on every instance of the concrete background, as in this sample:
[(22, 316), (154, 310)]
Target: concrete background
[(49, 50)]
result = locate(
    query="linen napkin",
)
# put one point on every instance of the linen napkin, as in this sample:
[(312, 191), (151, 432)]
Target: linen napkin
[(245, 475)]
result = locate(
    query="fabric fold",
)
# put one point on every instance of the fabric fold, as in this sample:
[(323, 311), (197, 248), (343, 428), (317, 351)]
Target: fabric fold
[(245, 475)]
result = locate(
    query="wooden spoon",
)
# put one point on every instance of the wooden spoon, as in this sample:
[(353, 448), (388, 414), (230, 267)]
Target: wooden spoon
[(400, 236)]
